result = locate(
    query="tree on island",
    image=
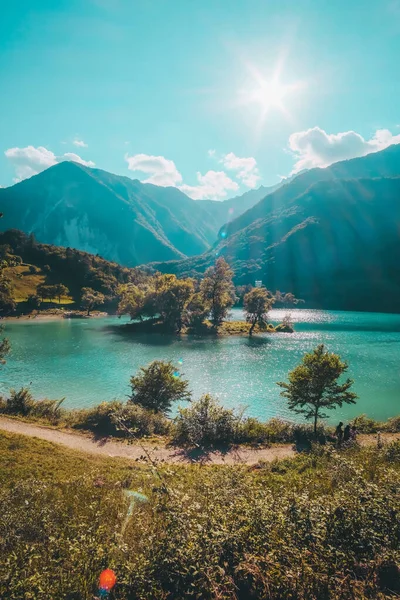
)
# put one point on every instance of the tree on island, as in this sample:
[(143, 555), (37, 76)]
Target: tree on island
[(257, 304), (90, 298), (132, 301), (157, 386), (197, 311), (313, 385), (172, 299), (218, 290)]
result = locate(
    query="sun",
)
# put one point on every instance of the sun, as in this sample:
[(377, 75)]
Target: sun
[(267, 94)]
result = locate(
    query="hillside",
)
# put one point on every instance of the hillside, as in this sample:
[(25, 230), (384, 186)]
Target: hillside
[(49, 265), (378, 164), (121, 219), (336, 245)]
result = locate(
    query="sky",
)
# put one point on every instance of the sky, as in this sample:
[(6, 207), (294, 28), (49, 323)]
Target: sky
[(215, 97)]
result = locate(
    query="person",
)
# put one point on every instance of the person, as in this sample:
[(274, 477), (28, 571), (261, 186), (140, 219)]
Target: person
[(339, 433), (346, 433), (353, 433)]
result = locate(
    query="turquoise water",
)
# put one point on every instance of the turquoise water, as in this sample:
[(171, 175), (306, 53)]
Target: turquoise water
[(88, 361)]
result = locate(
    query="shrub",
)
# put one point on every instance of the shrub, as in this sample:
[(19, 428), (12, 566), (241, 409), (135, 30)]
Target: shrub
[(392, 452), (115, 418), (20, 402), (205, 423), (366, 425), (49, 410), (393, 425)]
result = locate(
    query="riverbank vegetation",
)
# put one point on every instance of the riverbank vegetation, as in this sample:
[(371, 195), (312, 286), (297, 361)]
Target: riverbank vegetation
[(39, 278), (205, 423), (320, 526)]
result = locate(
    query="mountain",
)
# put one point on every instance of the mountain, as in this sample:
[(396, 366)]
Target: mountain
[(117, 217), (331, 236), (121, 219), (385, 163), (227, 210)]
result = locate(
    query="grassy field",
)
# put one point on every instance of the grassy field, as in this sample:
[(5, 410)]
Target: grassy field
[(321, 526), (26, 283)]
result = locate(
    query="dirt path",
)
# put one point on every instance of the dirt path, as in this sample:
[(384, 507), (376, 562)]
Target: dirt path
[(136, 451)]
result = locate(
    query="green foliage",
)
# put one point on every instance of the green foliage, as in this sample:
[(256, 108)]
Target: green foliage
[(20, 402), (257, 303), (157, 386), (322, 526), (132, 301), (90, 299), (313, 385), (206, 423), (119, 419), (33, 302), (72, 267), (218, 290), (4, 347), (197, 312), (173, 296)]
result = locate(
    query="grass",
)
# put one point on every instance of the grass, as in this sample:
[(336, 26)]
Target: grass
[(26, 283), (322, 526)]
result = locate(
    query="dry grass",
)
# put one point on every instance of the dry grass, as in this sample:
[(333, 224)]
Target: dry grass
[(26, 283)]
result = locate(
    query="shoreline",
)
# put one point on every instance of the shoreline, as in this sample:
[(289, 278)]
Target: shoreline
[(55, 317)]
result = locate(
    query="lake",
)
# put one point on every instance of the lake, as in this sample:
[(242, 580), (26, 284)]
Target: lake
[(91, 360)]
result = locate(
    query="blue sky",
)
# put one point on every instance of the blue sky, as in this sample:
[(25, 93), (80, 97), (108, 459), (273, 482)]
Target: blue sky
[(212, 96)]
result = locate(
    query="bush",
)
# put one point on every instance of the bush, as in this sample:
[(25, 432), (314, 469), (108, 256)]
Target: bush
[(115, 418), (33, 270), (393, 425), (366, 425), (23, 404), (49, 410), (392, 452), (206, 423), (20, 402)]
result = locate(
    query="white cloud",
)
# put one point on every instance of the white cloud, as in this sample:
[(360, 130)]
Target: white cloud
[(80, 143), (246, 168), (213, 185), (29, 161), (161, 171), (211, 153), (316, 148)]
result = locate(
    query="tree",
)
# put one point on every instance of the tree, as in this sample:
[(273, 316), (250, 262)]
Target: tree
[(197, 311), (257, 304), (157, 386), (313, 385), (173, 296), (46, 291), (33, 301), (7, 303), (132, 301), (4, 347), (218, 290), (90, 298), (60, 290), (287, 299)]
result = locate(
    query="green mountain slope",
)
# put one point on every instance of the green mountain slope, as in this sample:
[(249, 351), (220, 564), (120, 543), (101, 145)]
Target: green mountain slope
[(337, 245), (378, 164), (122, 219)]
